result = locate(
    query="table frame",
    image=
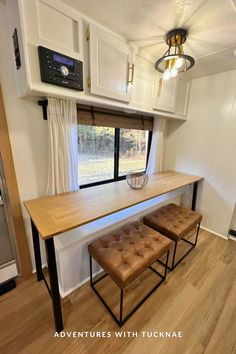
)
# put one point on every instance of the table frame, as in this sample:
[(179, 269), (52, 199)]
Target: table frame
[(53, 286)]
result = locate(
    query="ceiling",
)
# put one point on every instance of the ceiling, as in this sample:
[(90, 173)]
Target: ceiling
[(211, 25)]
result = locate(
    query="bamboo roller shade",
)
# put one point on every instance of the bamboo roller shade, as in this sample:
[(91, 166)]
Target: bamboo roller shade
[(87, 115)]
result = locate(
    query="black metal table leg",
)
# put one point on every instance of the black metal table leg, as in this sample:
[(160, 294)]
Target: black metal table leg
[(55, 295), (194, 199), (37, 253)]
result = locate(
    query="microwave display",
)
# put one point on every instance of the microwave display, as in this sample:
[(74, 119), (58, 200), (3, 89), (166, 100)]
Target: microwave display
[(63, 60)]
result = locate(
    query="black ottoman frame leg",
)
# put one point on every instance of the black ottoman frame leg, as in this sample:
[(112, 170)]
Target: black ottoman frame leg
[(193, 244), (122, 320)]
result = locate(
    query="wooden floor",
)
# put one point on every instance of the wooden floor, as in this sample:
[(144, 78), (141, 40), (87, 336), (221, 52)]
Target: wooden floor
[(198, 299)]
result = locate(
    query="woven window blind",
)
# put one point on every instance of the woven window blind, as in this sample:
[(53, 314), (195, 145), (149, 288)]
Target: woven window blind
[(87, 115)]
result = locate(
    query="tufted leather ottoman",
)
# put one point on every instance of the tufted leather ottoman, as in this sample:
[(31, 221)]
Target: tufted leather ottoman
[(174, 222), (126, 253)]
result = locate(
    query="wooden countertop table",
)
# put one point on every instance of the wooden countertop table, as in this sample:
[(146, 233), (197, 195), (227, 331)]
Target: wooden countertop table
[(53, 215)]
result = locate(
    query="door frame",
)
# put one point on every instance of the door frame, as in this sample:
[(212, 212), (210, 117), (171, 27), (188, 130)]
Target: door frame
[(13, 195)]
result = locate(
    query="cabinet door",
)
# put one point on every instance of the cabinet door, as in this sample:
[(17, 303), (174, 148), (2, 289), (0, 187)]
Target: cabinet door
[(165, 97), (183, 93), (143, 82), (52, 24), (110, 62)]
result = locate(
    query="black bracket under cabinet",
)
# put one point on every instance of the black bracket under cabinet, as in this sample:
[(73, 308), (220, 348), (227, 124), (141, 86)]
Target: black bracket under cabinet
[(44, 105)]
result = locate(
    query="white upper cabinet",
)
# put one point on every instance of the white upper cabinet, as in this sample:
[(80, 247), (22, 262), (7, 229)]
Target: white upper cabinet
[(48, 23), (143, 82), (182, 98), (111, 67), (165, 94), (172, 95), (52, 24), (117, 75)]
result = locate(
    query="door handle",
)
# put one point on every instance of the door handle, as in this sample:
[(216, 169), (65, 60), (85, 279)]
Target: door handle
[(159, 88), (131, 68)]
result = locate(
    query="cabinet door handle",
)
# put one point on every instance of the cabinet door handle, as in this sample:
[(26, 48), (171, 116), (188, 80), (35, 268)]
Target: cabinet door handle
[(131, 67), (159, 88)]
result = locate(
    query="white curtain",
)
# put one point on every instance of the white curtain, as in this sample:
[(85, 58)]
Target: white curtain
[(63, 146), (155, 162)]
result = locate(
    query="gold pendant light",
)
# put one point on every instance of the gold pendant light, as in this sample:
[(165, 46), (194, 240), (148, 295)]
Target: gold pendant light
[(174, 60)]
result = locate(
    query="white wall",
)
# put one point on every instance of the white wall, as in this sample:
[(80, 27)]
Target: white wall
[(205, 145)]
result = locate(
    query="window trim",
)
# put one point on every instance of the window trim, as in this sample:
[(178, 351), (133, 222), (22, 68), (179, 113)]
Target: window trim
[(116, 161)]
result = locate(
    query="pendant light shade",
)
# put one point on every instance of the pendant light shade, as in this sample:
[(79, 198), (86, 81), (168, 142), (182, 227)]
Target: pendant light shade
[(174, 60)]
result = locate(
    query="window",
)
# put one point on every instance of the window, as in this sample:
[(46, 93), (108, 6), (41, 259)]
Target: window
[(108, 153), (96, 153), (133, 151)]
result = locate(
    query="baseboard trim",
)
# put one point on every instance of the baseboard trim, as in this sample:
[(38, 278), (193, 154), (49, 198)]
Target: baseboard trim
[(44, 265), (71, 290), (233, 238), (214, 233)]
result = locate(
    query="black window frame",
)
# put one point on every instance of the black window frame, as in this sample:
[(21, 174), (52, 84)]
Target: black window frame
[(116, 161)]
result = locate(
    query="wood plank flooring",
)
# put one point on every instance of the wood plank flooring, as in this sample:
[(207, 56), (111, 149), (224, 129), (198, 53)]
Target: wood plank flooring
[(198, 299)]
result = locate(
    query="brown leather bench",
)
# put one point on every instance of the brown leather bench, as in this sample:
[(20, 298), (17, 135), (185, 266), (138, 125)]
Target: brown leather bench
[(175, 222), (126, 253)]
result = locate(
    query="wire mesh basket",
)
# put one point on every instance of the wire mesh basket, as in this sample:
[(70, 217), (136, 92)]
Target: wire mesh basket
[(137, 180)]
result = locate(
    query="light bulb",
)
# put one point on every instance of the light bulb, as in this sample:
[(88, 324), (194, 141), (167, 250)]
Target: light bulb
[(166, 75), (173, 72), (179, 63)]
